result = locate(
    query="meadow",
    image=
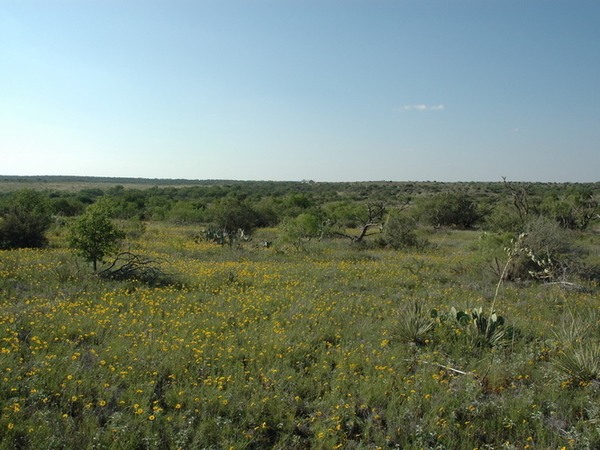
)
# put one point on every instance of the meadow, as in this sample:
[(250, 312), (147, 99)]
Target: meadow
[(318, 346)]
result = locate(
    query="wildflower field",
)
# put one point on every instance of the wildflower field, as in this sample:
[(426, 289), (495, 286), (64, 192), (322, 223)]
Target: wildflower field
[(255, 347)]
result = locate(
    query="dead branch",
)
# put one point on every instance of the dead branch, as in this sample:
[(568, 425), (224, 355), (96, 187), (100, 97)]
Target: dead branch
[(129, 266), (442, 366)]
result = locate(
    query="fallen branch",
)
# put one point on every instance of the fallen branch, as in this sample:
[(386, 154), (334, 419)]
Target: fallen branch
[(451, 369), (568, 285), (129, 266)]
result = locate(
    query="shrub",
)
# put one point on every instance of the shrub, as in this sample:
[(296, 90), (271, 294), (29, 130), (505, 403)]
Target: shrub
[(232, 214), (450, 209), (187, 213), (303, 227), (503, 218), (399, 232), (549, 250), (26, 218), (544, 250)]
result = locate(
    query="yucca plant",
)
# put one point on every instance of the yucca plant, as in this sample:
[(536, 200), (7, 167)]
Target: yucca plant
[(579, 359), (576, 330), (580, 362), (413, 324)]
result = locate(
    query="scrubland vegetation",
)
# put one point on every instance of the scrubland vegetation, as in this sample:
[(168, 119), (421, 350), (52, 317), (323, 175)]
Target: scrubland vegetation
[(302, 315)]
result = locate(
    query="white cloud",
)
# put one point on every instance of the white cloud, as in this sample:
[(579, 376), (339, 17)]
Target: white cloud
[(424, 107)]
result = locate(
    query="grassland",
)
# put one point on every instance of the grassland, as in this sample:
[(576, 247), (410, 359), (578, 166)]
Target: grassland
[(76, 184), (257, 347)]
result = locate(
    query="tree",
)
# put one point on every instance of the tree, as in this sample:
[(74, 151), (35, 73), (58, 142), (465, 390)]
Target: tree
[(372, 217), (94, 235), (25, 219), (231, 214)]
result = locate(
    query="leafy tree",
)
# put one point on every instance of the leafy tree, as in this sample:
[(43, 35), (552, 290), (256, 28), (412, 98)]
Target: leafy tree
[(268, 211), (26, 217), (296, 204), (94, 235)]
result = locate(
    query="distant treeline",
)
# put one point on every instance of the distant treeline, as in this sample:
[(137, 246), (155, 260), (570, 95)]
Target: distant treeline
[(499, 206)]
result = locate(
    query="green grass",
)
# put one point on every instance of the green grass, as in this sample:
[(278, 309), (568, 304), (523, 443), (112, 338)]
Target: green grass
[(277, 348)]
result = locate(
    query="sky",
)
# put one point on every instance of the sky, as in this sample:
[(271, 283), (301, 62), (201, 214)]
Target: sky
[(289, 90)]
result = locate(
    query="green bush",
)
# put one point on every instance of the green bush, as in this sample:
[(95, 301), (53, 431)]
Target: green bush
[(450, 209), (399, 232), (94, 235), (232, 214), (187, 213), (299, 229), (26, 216), (503, 218)]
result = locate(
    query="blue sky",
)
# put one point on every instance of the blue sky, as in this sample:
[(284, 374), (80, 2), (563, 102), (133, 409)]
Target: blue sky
[(328, 90)]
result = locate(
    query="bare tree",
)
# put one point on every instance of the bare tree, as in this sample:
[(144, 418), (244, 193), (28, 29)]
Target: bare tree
[(520, 199), (373, 217)]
